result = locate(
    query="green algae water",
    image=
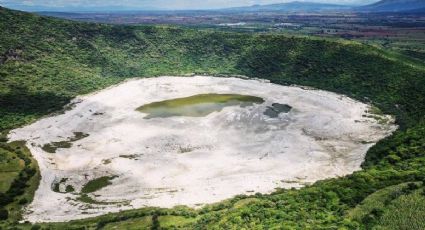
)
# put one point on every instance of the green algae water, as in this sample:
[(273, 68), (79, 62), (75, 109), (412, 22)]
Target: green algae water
[(197, 106)]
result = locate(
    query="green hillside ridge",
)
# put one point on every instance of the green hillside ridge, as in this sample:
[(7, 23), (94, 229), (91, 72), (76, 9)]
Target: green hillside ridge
[(45, 62)]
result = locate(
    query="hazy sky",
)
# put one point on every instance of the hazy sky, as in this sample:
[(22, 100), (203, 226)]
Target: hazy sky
[(159, 4)]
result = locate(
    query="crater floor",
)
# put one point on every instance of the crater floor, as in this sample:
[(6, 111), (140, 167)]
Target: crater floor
[(191, 160)]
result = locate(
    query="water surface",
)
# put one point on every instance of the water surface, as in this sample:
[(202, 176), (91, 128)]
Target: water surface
[(198, 105)]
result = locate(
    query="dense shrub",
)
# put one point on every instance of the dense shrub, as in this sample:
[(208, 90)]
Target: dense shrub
[(4, 214)]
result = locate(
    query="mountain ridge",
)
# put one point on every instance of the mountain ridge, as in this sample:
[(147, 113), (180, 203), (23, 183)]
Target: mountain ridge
[(394, 6), (291, 6)]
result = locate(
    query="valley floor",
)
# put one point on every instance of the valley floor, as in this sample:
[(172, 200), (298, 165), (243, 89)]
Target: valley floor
[(103, 156)]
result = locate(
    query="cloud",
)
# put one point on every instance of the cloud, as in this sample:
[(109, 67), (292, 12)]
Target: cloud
[(163, 4)]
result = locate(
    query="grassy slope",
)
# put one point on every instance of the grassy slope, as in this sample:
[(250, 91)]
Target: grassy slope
[(22, 185), (10, 166), (406, 212), (50, 61), (395, 207)]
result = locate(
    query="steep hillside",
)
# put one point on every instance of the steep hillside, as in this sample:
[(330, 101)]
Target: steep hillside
[(44, 62), (50, 61), (395, 6)]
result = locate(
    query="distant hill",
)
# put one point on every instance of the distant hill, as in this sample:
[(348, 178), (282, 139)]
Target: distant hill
[(395, 6), (291, 7), (418, 10), (39, 8)]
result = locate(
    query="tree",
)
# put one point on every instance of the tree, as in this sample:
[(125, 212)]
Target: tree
[(4, 214), (155, 222)]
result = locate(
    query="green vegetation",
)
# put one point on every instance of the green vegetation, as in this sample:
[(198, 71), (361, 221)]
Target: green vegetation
[(85, 198), (131, 157), (171, 222), (68, 188), (46, 62), (197, 105), (97, 184), (19, 178), (90, 187), (10, 166), (52, 147), (407, 212), (147, 222), (132, 224), (395, 207)]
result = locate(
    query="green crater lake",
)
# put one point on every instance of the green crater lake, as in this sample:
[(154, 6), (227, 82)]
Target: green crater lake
[(197, 106)]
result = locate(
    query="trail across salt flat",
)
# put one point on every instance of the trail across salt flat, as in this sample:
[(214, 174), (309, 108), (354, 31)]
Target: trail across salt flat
[(194, 160)]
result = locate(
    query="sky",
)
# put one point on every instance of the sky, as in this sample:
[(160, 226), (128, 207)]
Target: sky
[(152, 4)]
